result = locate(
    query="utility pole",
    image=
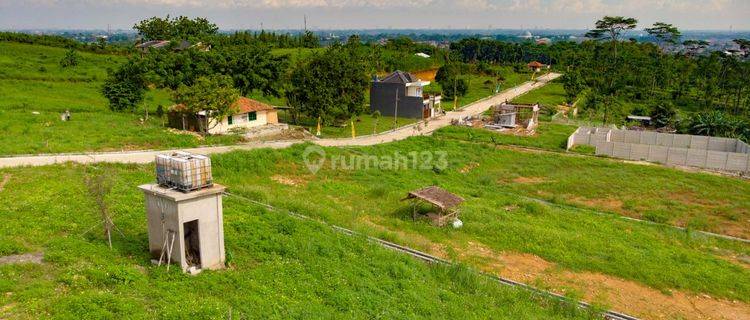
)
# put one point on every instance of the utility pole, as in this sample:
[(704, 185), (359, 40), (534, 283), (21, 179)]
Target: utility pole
[(305, 23)]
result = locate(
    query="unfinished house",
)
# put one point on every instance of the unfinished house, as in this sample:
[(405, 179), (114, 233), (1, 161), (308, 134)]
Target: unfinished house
[(184, 212), (402, 94), (515, 117), (444, 203)]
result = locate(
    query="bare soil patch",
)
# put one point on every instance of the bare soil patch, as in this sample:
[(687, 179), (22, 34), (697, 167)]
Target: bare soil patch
[(289, 181), (22, 258), (6, 179), (426, 75), (619, 294), (468, 167), (529, 180), (604, 203)]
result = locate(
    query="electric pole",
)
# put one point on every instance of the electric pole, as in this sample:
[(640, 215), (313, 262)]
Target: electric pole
[(395, 112)]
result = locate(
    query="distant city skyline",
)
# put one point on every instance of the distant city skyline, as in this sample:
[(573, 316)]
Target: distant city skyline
[(721, 15)]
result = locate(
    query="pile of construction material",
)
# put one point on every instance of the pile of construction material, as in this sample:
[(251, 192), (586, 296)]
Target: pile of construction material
[(184, 171)]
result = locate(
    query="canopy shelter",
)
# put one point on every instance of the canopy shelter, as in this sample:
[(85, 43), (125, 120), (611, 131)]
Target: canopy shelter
[(445, 203)]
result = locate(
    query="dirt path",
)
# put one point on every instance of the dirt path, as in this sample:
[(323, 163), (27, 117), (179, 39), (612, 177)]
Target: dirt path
[(147, 156)]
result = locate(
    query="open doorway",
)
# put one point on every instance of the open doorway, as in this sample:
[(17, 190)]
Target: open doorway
[(192, 244)]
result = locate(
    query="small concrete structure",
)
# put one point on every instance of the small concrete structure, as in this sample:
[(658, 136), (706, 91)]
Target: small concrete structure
[(186, 228)]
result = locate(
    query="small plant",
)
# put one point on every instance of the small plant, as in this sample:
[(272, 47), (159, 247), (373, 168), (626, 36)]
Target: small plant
[(70, 59)]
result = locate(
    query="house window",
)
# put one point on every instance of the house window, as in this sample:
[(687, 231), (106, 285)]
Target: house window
[(230, 120), (243, 118), (252, 116)]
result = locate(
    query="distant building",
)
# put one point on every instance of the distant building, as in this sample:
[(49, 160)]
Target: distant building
[(544, 41), (536, 66), (526, 35), (249, 114), (422, 55), (402, 94)]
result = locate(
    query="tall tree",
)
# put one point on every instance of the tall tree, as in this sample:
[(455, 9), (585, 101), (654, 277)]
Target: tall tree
[(213, 96), (611, 28), (331, 85), (664, 33), (182, 28)]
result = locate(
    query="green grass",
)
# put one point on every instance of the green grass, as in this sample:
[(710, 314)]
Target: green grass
[(33, 62), (549, 136), (657, 256), (551, 95), (281, 267), (25, 90), (363, 125)]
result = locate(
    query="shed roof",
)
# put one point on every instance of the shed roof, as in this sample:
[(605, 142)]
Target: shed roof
[(437, 196)]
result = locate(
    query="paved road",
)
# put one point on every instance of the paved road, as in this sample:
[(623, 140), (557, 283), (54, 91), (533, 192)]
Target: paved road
[(147, 156)]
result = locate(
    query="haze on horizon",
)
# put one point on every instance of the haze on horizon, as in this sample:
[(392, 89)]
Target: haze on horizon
[(376, 14)]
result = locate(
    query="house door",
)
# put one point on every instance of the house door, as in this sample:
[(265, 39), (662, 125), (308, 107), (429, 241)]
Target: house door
[(426, 113)]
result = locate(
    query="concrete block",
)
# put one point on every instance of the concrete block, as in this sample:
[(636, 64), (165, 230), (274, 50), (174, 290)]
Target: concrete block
[(677, 156), (737, 162), (698, 142), (664, 139), (716, 160), (617, 136), (696, 157), (633, 136), (658, 154), (648, 137), (639, 152), (621, 150), (604, 149), (681, 141)]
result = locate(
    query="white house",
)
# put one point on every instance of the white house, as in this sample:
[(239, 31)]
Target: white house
[(249, 113)]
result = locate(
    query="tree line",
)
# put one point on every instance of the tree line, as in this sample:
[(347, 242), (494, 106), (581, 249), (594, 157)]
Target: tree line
[(611, 77)]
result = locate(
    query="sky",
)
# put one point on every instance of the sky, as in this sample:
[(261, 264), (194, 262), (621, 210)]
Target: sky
[(376, 14)]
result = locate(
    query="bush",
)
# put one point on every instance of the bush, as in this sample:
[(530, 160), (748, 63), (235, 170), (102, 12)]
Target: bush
[(70, 59)]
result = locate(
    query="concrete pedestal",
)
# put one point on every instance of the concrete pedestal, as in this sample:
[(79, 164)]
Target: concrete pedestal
[(191, 224)]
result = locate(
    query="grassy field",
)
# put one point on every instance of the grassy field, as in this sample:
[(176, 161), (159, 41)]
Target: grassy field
[(551, 95), (369, 200), (549, 136), (280, 267), (35, 90), (363, 125)]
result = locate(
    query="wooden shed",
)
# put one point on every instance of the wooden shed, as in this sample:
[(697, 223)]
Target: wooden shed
[(445, 203)]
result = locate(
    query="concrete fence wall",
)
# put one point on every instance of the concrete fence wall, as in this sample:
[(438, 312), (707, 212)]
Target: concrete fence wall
[(671, 149)]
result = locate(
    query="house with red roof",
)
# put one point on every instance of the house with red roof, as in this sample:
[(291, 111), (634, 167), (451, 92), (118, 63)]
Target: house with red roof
[(248, 113)]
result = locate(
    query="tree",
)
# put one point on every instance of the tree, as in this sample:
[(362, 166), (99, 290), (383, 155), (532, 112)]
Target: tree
[(743, 43), (253, 68), (713, 123), (331, 85), (125, 87), (213, 96), (70, 59), (375, 117), (664, 33), (611, 28), (663, 114), (573, 85), (182, 27), (454, 87)]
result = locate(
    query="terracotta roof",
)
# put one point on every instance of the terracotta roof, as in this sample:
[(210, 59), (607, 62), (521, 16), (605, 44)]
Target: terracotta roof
[(437, 196), (243, 105), (536, 64), (246, 105)]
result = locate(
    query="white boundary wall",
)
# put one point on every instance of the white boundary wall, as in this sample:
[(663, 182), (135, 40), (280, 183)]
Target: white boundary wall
[(670, 149)]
